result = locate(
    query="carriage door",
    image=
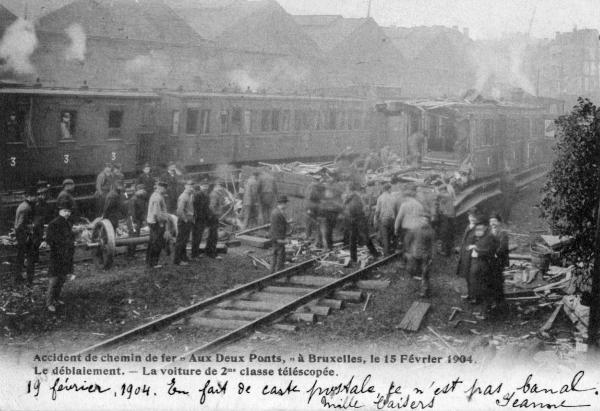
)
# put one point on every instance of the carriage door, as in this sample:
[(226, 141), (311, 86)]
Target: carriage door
[(144, 148)]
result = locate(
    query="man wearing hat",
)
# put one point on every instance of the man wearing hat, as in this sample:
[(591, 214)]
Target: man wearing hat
[(202, 216), (409, 218), (24, 233), (464, 256), (103, 183), (66, 195), (354, 211), (419, 253), (279, 228), (267, 194), (146, 179), (116, 174), (157, 220), (61, 239), (43, 213), (386, 210), (185, 222), (250, 200), (114, 205), (216, 204), (137, 208), (171, 177)]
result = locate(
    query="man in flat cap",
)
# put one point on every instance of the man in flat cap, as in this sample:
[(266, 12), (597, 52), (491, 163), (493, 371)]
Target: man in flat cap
[(66, 195), (103, 183), (279, 228), (147, 179), (43, 213), (61, 240), (463, 267), (24, 233), (185, 222), (202, 215), (137, 209), (157, 220)]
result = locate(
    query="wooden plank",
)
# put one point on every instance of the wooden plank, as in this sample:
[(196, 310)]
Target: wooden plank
[(252, 241), (372, 284), (352, 296), (319, 309), (312, 280), (235, 314), (548, 324), (272, 297), (331, 303), (414, 316), (264, 306), (307, 317), (285, 327), (217, 323), (287, 290)]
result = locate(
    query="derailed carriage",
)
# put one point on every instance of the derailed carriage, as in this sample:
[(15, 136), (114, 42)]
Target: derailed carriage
[(486, 136)]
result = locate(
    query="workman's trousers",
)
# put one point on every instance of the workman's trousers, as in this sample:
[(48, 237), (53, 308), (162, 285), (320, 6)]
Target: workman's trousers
[(197, 233), (327, 223), (446, 233), (25, 250), (55, 285), (359, 233), (419, 267), (387, 236), (213, 237), (278, 262), (155, 244), (183, 236)]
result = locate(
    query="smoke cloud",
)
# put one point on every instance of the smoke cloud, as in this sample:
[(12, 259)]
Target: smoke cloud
[(148, 69), (77, 48), (17, 45), (243, 80)]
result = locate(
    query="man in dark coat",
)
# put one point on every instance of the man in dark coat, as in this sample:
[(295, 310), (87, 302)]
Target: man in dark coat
[(464, 254), (330, 209), (171, 178), (267, 194), (66, 196), (250, 201), (279, 228), (314, 193), (114, 205), (43, 213), (216, 204), (481, 273), (419, 254), (185, 223), (386, 211), (501, 258), (61, 240), (156, 218), (104, 182), (358, 226), (202, 216), (147, 179), (24, 234), (137, 209)]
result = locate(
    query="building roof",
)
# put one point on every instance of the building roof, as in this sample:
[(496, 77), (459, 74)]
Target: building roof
[(329, 31), (6, 18), (262, 26), (411, 41), (32, 91), (148, 20)]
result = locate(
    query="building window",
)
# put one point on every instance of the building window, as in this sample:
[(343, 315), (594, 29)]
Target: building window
[(285, 120), (247, 122), (488, 132), (332, 120), (204, 121), (224, 116), (275, 120), (149, 115), (175, 122), (115, 122), (357, 120), (297, 120), (191, 121), (236, 121), (68, 120), (265, 121)]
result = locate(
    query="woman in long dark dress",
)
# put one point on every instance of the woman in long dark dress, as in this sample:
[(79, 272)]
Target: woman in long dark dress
[(464, 254), (501, 260), (481, 270)]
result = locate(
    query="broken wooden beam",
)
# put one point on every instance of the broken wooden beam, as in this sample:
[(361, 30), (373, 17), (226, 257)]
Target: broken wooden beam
[(414, 316), (251, 305), (373, 284), (548, 324), (288, 290), (351, 296), (311, 280), (252, 241), (217, 323)]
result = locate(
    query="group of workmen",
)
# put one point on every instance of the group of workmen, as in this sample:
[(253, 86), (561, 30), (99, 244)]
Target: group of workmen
[(198, 206), (411, 220)]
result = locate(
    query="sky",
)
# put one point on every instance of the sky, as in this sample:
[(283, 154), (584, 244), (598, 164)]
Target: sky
[(484, 18)]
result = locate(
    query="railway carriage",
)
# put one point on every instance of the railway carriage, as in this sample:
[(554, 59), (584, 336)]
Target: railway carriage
[(54, 133), (491, 137), (207, 129)]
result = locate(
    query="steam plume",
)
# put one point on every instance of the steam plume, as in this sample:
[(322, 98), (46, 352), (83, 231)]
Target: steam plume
[(17, 46), (76, 50)]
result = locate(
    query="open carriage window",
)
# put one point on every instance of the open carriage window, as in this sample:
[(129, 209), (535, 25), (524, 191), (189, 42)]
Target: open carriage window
[(14, 127), (68, 120)]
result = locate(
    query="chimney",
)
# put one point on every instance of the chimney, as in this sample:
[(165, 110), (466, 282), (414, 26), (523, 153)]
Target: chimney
[(466, 32)]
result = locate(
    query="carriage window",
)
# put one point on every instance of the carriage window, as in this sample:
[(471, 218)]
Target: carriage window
[(67, 124), (175, 122), (488, 132), (13, 127), (275, 120), (265, 121), (191, 122), (236, 121), (285, 120), (115, 121), (247, 121), (148, 114), (224, 116), (332, 120), (297, 120), (204, 121)]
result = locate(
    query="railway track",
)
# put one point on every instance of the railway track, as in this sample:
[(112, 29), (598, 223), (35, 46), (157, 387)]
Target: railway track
[(296, 292)]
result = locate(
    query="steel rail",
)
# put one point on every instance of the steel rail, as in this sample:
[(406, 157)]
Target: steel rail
[(169, 318), (276, 314)]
